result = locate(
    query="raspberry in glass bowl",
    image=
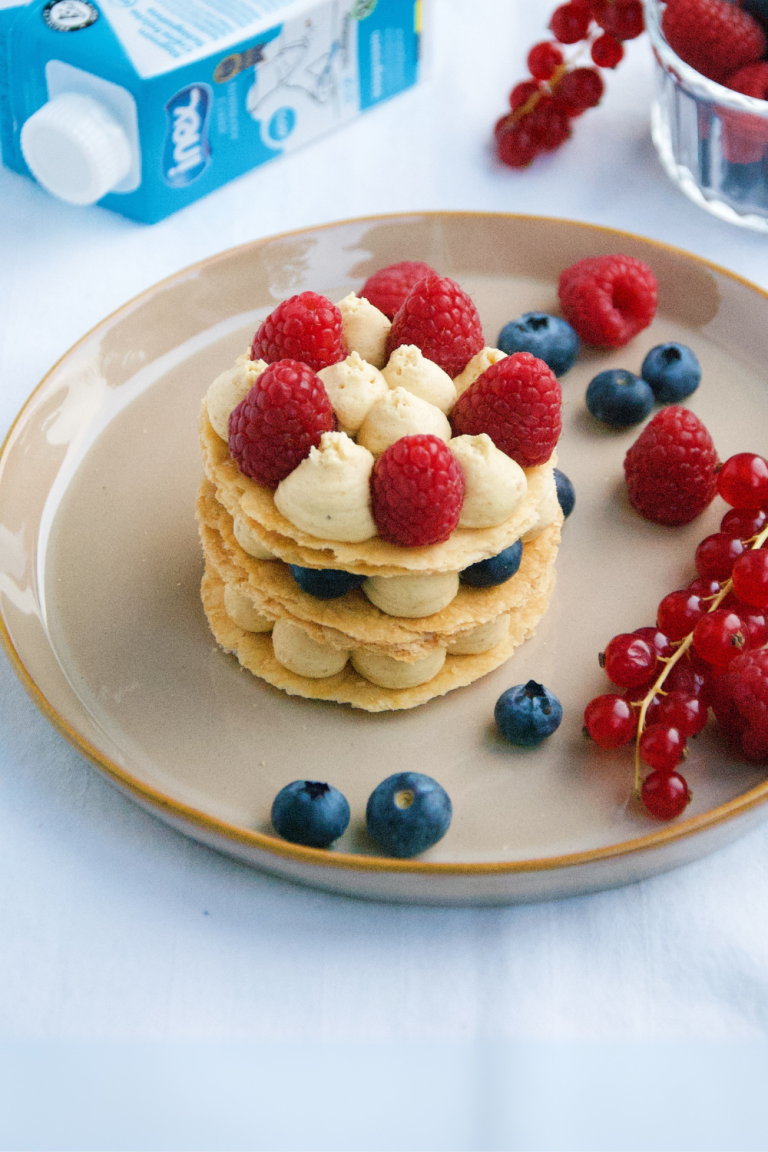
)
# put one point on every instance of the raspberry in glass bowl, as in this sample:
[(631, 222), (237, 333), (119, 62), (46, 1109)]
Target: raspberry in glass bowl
[(711, 139)]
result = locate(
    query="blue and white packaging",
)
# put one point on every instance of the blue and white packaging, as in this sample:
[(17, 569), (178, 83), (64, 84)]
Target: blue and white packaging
[(143, 106)]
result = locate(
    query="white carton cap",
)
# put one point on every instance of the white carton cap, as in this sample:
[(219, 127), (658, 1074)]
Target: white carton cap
[(75, 148)]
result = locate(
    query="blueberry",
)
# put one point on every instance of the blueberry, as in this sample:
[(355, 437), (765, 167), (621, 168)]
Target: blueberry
[(549, 337), (528, 713), (495, 570), (408, 813), (311, 813), (619, 398), (325, 583), (672, 371), (566, 496)]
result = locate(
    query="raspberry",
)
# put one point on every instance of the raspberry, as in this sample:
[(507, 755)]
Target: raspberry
[(714, 37), (517, 403), (608, 299), (284, 415), (417, 489), (388, 288), (752, 80), (670, 469), (740, 703), (306, 328), (439, 318)]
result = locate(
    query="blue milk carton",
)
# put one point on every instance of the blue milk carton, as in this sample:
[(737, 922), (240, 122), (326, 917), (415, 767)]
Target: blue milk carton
[(146, 105)]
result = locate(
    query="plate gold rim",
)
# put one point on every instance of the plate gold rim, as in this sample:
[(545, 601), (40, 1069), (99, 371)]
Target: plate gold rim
[(161, 803)]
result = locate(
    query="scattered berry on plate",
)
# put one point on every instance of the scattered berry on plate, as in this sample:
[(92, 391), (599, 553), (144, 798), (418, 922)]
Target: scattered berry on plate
[(671, 469), (388, 288), (310, 813), (495, 570), (325, 583), (417, 489), (440, 318), (550, 338), (619, 398), (566, 493), (673, 372), (305, 328), (527, 714), (608, 299), (283, 416), (408, 813), (517, 402), (714, 37)]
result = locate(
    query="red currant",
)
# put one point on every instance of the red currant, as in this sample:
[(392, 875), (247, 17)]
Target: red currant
[(665, 794), (743, 481), (716, 555), (750, 578), (548, 124), (516, 146), (578, 90), (569, 23), (680, 710), (662, 747), (678, 613), (637, 694), (628, 661), (543, 59), (521, 94), (705, 589), (692, 676), (656, 641), (755, 622), (719, 636), (623, 19), (610, 721), (744, 522), (607, 52)]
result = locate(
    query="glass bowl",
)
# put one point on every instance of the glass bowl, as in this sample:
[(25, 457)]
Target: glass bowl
[(712, 142)]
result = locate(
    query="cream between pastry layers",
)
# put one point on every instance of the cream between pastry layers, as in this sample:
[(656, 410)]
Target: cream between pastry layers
[(412, 630)]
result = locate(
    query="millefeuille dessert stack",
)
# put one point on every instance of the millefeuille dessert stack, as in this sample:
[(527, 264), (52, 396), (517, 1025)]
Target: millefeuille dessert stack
[(379, 515)]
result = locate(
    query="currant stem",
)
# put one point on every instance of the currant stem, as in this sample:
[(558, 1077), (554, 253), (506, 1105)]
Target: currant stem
[(670, 663)]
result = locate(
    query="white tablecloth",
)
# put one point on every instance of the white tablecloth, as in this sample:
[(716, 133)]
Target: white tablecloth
[(120, 939)]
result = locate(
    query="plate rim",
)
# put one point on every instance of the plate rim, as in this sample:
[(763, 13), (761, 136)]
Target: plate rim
[(160, 803)]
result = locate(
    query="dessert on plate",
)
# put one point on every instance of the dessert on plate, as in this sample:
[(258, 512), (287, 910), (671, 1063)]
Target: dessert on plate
[(379, 515)]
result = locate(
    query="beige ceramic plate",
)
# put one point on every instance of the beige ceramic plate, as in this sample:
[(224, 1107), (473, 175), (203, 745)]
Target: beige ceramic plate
[(100, 568)]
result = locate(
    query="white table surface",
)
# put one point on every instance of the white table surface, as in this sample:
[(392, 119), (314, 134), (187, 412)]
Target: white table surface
[(116, 930)]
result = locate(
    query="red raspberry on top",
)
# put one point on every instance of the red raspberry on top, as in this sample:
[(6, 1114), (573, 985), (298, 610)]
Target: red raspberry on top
[(671, 468), (306, 328), (388, 288), (714, 37), (439, 318), (417, 489), (282, 417), (608, 299), (517, 402), (740, 703)]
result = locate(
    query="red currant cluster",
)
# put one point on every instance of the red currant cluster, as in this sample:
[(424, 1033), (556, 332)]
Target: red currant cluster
[(670, 673), (560, 90)]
